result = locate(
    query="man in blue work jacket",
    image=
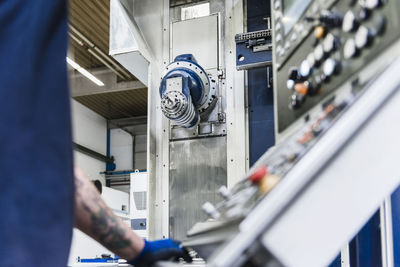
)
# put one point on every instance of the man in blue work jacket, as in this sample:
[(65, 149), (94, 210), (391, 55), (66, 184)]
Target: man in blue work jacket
[(41, 199)]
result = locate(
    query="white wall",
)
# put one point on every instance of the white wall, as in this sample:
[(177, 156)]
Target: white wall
[(85, 247), (141, 152), (89, 130), (121, 147)]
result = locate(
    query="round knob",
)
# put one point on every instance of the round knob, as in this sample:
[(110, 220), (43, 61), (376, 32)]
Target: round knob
[(305, 69), (210, 210), (331, 67), (330, 43), (350, 49), (350, 22), (293, 73), (363, 37)]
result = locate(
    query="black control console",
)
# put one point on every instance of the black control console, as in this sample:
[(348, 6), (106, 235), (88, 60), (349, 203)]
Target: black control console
[(320, 44)]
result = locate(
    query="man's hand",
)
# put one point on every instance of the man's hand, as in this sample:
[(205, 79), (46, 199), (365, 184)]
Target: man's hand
[(160, 250), (94, 218)]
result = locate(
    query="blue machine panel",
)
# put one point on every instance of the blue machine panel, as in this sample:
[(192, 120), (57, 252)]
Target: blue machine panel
[(260, 90), (365, 248), (396, 226)]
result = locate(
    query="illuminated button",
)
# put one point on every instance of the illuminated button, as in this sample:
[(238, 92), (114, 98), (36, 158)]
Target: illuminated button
[(305, 69), (350, 23), (363, 37), (319, 32), (319, 53), (350, 49), (301, 88), (331, 67), (329, 43), (311, 60), (259, 174), (290, 84), (268, 183)]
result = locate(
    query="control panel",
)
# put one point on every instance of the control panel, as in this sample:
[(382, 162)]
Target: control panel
[(325, 54), (275, 164), (321, 44)]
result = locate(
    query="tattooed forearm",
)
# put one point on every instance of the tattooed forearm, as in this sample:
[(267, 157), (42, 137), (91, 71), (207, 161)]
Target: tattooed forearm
[(111, 234), (95, 219)]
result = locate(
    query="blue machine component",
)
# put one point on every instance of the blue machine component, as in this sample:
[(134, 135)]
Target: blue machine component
[(253, 49), (396, 226), (186, 91)]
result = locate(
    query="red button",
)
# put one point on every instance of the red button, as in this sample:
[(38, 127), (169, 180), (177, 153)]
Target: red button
[(259, 174)]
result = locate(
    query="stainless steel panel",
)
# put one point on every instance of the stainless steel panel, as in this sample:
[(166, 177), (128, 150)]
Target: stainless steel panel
[(197, 170), (198, 37)]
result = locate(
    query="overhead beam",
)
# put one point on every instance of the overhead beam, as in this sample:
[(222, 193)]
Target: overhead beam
[(127, 122), (81, 86), (93, 154)]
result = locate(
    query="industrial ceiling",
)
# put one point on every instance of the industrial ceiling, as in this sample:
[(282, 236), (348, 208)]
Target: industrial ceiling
[(89, 46)]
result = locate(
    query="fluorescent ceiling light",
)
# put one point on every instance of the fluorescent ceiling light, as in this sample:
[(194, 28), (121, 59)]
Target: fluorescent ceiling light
[(84, 72)]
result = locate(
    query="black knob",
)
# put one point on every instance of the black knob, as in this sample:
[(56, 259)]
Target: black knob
[(297, 100), (314, 86), (331, 19), (294, 74), (365, 14)]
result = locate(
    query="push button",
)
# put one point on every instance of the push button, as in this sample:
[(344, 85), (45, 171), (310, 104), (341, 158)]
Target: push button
[(301, 88), (319, 32), (259, 174)]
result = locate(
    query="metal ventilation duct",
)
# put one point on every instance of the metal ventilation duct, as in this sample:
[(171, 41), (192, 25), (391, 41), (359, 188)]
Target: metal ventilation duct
[(127, 44)]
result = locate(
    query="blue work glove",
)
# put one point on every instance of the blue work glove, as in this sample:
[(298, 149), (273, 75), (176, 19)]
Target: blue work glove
[(160, 250)]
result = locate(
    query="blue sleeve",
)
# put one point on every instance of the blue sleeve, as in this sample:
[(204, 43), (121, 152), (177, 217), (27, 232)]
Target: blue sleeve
[(36, 190)]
